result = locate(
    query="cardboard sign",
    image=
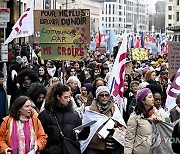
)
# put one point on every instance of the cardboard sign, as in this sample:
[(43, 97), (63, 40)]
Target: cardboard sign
[(173, 57), (72, 52), (139, 54), (60, 30)]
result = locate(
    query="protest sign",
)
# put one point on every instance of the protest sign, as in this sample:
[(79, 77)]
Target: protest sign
[(61, 31), (173, 57), (139, 54)]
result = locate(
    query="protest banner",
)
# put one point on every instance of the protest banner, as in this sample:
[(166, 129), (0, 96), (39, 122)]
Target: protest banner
[(62, 31), (139, 54), (173, 57)]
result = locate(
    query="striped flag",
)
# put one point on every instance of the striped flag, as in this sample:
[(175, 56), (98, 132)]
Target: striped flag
[(116, 80)]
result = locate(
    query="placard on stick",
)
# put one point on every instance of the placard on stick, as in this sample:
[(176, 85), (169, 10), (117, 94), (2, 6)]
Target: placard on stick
[(62, 34), (173, 57)]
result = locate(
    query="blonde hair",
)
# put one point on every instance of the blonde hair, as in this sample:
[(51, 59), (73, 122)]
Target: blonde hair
[(148, 74)]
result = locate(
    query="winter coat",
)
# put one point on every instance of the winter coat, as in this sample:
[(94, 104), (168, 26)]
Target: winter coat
[(67, 120), (174, 114), (5, 133), (176, 137), (138, 133)]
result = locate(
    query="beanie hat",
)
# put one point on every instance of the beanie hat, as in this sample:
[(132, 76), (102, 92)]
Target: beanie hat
[(19, 60), (101, 89), (88, 86), (142, 93)]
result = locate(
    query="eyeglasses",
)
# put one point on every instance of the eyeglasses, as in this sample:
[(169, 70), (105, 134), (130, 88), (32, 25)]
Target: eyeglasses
[(104, 95)]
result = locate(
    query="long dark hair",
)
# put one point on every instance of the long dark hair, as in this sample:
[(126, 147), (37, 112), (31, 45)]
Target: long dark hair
[(140, 109), (17, 105), (52, 101)]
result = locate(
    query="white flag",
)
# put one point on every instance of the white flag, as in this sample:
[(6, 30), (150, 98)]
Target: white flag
[(24, 26), (174, 90), (116, 80)]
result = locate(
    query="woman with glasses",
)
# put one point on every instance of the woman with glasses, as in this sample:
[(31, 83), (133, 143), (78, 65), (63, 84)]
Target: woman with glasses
[(105, 112)]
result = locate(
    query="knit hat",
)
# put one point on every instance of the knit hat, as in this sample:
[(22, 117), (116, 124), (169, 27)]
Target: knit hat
[(88, 86), (101, 89), (19, 60), (142, 93)]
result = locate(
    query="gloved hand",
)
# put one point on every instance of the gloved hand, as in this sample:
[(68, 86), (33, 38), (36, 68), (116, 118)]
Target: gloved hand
[(83, 135), (110, 142)]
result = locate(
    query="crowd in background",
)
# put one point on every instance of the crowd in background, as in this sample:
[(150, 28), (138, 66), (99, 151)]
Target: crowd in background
[(81, 90)]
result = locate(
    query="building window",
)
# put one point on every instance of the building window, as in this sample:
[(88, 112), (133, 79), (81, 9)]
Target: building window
[(119, 19), (169, 8), (120, 13), (102, 11), (106, 19), (177, 16), (177, 2), (113, 8), (113, 25), (169, 25), (109, 19), (109, 8), (169, 16), (113, 19), (109, 25), (102, 18)]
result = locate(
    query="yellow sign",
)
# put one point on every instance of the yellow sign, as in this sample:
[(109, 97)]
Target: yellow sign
[(139, 54)]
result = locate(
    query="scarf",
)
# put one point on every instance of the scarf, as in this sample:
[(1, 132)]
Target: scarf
[(101, 107), (23, 136)]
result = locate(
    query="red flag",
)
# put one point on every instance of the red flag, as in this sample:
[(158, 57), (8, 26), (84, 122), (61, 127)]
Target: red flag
[(98, 39), (149, 38), (164, 50), (138, 43)]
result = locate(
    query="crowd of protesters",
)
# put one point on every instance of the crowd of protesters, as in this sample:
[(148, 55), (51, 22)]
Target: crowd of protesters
[(42, 89)]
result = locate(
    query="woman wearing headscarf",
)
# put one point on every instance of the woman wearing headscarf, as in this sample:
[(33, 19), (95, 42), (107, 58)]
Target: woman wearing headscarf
[(21, 132), (104, 111), (139, 128)]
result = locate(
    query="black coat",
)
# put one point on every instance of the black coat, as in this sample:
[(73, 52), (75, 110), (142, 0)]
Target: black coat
[(67, 119), (176, 138)]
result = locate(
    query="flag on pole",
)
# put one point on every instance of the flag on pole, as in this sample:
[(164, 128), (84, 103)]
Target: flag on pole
[(112, 40), (142, 40), (159, 43), (172, 92), (24, 26), (116, 80), (98, 39), (138, 43)]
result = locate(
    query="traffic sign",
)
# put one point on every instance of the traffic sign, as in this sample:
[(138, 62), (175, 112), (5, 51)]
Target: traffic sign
[(3, 25), (4, 52), (4, 14)]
